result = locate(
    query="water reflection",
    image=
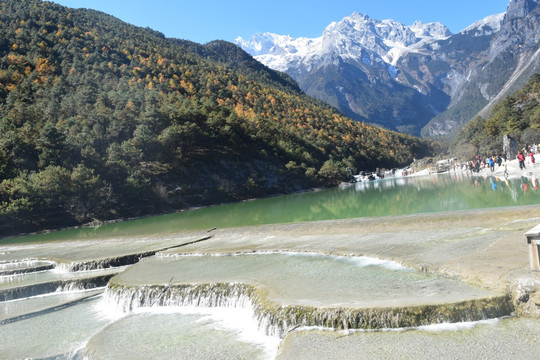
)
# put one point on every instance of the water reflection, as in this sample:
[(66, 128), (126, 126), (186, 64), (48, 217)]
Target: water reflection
[(456, 191), (397, 196)]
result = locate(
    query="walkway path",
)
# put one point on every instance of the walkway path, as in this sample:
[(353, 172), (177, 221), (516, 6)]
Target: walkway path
[(514, 170)]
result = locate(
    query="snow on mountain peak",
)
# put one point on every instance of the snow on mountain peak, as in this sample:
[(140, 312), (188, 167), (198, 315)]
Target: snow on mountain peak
[(265, 43), (278, 51), (370, 32), (350, 38), (487, 26), (434, 30)]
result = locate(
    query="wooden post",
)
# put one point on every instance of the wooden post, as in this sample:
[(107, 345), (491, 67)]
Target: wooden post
[(533, 240)]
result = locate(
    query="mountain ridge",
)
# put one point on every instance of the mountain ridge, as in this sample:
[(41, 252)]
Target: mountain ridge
[(351, 56), (358, 59), (507, 64)]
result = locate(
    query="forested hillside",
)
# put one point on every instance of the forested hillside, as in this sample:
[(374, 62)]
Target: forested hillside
[(100, 119), (517, 115)]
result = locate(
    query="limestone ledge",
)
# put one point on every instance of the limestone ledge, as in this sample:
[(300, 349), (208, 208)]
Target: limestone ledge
[(485, 248), (276, 319)]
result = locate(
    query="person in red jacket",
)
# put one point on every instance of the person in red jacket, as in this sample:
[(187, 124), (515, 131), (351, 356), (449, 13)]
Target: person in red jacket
[(531, 154), (521, 159)]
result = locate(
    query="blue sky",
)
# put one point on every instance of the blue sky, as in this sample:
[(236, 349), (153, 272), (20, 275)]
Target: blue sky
[(205, 20)]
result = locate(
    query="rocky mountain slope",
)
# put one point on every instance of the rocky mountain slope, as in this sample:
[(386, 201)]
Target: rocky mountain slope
[(414, 79), (481, 76)]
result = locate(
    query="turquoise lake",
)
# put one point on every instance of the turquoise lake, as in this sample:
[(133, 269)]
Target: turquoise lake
[(397, 196)]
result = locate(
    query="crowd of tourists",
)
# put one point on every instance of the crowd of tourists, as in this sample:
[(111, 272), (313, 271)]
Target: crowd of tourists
[(525, 157)]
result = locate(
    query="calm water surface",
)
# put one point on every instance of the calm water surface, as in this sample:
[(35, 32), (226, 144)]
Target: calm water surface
[(398, 196)]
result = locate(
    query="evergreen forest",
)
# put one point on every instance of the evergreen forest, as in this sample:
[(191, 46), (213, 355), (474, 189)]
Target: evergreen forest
[(103, 120)]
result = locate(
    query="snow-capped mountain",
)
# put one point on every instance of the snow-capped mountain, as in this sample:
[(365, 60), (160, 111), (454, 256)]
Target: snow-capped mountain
[(394, 75), (352, 65), (348, 38)]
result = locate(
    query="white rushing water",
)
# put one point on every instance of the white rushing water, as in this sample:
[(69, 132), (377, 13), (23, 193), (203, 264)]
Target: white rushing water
[(200, 332)]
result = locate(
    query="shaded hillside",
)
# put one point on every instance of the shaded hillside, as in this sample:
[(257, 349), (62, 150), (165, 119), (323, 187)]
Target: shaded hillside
[(385, 102), (100, 119)]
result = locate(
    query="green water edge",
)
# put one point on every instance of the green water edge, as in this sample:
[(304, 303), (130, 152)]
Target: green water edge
[(389, 197)]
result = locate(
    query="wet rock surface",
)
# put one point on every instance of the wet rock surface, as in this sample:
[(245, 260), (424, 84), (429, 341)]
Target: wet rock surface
[(505, 339)]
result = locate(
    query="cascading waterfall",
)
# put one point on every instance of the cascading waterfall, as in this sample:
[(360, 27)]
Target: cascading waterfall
[(34, 277), (55, 286), (25, 266), (106, 263), (15, 272), (206, 295), (276, 319)]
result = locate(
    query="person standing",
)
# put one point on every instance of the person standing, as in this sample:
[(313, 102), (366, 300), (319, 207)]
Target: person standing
[(531, 154), (521, 159), (491, 164)]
